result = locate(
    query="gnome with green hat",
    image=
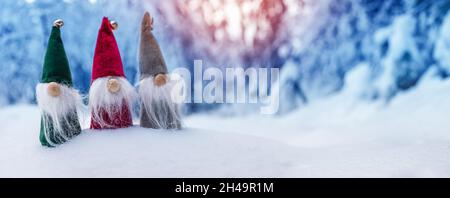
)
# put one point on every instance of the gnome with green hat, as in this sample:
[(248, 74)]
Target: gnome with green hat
[(55, 95), (159, 110)]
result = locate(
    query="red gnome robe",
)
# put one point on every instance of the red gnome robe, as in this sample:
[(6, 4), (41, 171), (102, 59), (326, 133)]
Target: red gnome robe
[(110, 109)]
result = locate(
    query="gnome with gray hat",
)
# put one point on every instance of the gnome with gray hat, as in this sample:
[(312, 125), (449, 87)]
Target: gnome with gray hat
[(158, 109)]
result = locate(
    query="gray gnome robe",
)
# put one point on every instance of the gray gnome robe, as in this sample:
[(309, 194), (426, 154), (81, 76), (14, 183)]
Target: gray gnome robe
[(151, 63)]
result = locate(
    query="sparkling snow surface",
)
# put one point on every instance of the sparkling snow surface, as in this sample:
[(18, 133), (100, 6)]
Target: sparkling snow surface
[(336, 137)]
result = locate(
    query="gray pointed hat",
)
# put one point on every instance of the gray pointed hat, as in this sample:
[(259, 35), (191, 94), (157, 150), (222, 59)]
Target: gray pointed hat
[(151, 60)]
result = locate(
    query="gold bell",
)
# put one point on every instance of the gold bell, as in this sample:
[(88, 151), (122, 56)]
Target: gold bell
[(53, 89), (58, 23), (113, 85), (114, 25), (152, 21)]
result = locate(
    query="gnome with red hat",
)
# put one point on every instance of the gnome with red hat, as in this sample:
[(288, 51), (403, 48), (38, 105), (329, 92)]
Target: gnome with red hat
[(158, 108), (111, 96)]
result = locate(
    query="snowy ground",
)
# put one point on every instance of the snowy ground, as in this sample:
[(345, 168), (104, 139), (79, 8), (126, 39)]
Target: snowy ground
[(337, 137)]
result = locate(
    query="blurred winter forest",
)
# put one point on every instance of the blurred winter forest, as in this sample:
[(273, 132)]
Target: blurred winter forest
[(316, 43)]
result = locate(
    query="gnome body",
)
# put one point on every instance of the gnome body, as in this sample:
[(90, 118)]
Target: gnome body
[(158, 110), (55, 95), (111, 96)]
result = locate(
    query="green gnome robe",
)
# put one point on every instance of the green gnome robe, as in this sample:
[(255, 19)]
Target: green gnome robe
[(56, 69)]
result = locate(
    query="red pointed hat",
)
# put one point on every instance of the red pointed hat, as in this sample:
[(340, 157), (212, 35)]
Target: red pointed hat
[(107, 60)]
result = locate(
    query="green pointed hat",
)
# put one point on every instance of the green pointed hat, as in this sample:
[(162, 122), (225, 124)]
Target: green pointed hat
[(56, 66)]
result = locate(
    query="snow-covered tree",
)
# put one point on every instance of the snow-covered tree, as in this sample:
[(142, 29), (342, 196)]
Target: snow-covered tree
[(24, 29), (316, 42)]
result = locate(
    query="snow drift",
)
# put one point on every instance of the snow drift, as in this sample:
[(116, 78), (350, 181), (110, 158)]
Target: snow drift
[(337, 137)]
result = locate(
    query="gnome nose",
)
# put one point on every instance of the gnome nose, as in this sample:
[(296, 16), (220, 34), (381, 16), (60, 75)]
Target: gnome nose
[(113, 85), (160, 80), (54, 89)]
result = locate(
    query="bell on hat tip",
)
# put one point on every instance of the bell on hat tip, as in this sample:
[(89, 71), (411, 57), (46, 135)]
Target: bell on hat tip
[(148, 20), (114, 25), (113, 85), (152, 21), (58, 23), (54, 89)]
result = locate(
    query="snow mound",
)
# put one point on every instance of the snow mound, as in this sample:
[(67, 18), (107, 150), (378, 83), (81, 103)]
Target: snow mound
[(133, 152), (336, 137)]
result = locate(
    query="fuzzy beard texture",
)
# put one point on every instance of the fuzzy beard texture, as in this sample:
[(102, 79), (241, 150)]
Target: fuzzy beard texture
[(106, 107), (59, 114), (158, 108)]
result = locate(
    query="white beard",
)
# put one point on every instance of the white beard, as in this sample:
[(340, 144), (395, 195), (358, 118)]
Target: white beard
[(160, 106), (57, 110), (102, 100)]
